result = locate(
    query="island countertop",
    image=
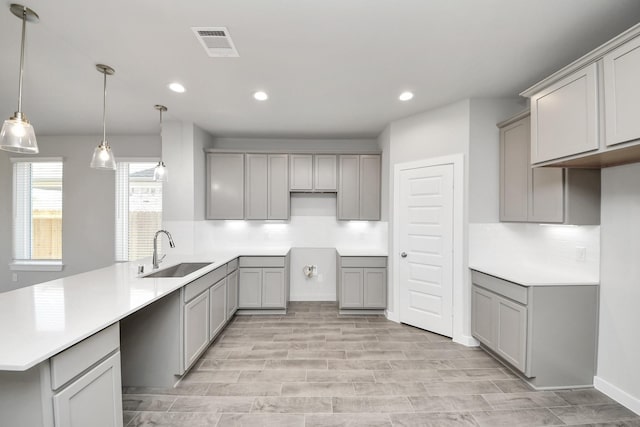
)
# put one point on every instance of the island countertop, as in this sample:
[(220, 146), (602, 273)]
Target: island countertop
[(39, 321)]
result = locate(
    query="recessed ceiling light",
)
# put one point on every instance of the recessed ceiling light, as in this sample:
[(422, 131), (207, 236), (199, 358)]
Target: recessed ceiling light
[(261, 95), (177, 87), (405, 96)]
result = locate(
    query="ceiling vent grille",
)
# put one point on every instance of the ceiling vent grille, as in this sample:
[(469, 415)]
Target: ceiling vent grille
[(216, 41)]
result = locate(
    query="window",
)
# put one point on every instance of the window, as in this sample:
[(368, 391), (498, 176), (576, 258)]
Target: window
[(138, 209), (37, 212)]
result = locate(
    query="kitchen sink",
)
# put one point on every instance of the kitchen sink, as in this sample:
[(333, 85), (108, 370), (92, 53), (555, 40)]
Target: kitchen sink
[(179, 270)]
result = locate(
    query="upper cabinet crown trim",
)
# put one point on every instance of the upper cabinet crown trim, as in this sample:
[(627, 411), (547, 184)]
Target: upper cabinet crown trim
[(289, 151), (514, 119), (584, 61)]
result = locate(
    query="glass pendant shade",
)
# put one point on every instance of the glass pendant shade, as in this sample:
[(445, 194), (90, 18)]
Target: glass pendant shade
[(160, 173), (103, 157), (17, 136)]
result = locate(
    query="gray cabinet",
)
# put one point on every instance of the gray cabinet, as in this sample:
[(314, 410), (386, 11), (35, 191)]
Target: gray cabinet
[(362, 282), (196, 328), (217, 308), (232, 293), (359, 187), (266, 190), (263, 283), (551, 195), (313, 172), (225, 186), (564, 117), (546, 332)]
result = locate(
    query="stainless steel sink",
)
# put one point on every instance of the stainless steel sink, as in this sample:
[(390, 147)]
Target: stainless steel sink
[(179, 270)]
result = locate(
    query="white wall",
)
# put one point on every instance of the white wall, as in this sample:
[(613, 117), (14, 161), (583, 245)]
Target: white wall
[(88, 222), (619, 347)]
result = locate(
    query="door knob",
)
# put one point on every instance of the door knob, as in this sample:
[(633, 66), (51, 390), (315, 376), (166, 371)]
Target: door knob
[(403, 254)]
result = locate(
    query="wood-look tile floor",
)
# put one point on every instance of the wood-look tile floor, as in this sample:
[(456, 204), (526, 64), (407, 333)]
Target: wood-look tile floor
[(314, 367)]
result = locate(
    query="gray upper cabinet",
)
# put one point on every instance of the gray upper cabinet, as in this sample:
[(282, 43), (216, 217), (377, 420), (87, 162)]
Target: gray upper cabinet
[(564, 117), (313, 172), (359, 187), (267, 186), (225, 186), (622, 92), (301, 172), (542, 195)]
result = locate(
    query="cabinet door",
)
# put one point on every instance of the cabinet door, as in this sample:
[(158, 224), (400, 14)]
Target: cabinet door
[(511, 331), (256, 186), (250, 288), (370, 187), (515, 169), (482, 319), (225, 186), (278, 181), (349, 187), (546, 195), (196, 328), (273, 287), (217, 308), (94, 399), (351, 287), (301, 172), (325, 172), (232, 294), (375, 288), (622, 92), (564, 117)]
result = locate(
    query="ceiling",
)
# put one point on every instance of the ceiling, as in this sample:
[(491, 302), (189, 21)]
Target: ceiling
[(332, 68)]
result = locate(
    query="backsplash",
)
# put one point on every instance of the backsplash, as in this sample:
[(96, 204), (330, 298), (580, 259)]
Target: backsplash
[(299, 231), (555, 247)]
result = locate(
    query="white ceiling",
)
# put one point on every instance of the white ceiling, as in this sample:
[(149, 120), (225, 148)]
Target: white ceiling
[(332, 68)]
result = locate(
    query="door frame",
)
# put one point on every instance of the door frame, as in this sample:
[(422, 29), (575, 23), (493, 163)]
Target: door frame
[(458, 305)]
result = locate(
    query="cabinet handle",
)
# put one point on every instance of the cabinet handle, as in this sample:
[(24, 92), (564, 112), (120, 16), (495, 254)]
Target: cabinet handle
[(403, 254)]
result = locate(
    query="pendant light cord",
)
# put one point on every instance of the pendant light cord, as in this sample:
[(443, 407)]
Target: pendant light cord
[(24, 30), (104, 110)]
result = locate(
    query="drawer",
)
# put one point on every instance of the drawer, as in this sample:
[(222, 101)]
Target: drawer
[(232, 266), (363, 261), (499, 286), (75, 360), (262, 261), (203, 283)]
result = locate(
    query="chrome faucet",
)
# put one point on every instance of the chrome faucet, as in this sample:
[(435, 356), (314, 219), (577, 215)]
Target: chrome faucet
[(156, 260)]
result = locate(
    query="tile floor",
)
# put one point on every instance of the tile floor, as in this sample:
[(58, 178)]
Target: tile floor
[(314, 367)]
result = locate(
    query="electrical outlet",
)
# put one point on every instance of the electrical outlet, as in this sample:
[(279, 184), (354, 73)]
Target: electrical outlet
[(581, 253), (320, 278), (14, 277)]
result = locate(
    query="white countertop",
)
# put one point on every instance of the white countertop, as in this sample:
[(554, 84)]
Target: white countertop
[(39, 321), (358, 251), (535, 275)]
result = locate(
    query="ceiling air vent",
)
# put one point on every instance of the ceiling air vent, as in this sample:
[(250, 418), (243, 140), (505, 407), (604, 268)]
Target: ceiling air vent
[(216, 41)]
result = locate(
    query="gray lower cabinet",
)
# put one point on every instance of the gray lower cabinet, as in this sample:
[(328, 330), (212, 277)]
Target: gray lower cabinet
[(266, 190), (362, 282), (263, 282), (196, 328), (80, 386), (217, 308), (546, 332), (359, 187), (232, 293), (225, 186)]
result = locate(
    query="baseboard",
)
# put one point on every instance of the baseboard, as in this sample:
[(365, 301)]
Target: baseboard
[(314, 298), (617, 394), (467, 341), (391, 315)]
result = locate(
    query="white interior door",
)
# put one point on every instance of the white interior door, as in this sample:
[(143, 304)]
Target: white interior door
[(426, 247)]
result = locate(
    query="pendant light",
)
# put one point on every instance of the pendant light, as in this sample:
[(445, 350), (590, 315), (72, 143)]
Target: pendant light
[(17, 134), (103, 156), (160, 173)]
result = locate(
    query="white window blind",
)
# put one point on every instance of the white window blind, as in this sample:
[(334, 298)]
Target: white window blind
[(37, 210), (138, 210)]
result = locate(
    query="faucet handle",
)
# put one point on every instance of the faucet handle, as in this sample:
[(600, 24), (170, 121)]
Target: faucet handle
[(161, 258)]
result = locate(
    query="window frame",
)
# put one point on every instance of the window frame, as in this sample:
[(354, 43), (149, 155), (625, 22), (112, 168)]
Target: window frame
[(32, 264)]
